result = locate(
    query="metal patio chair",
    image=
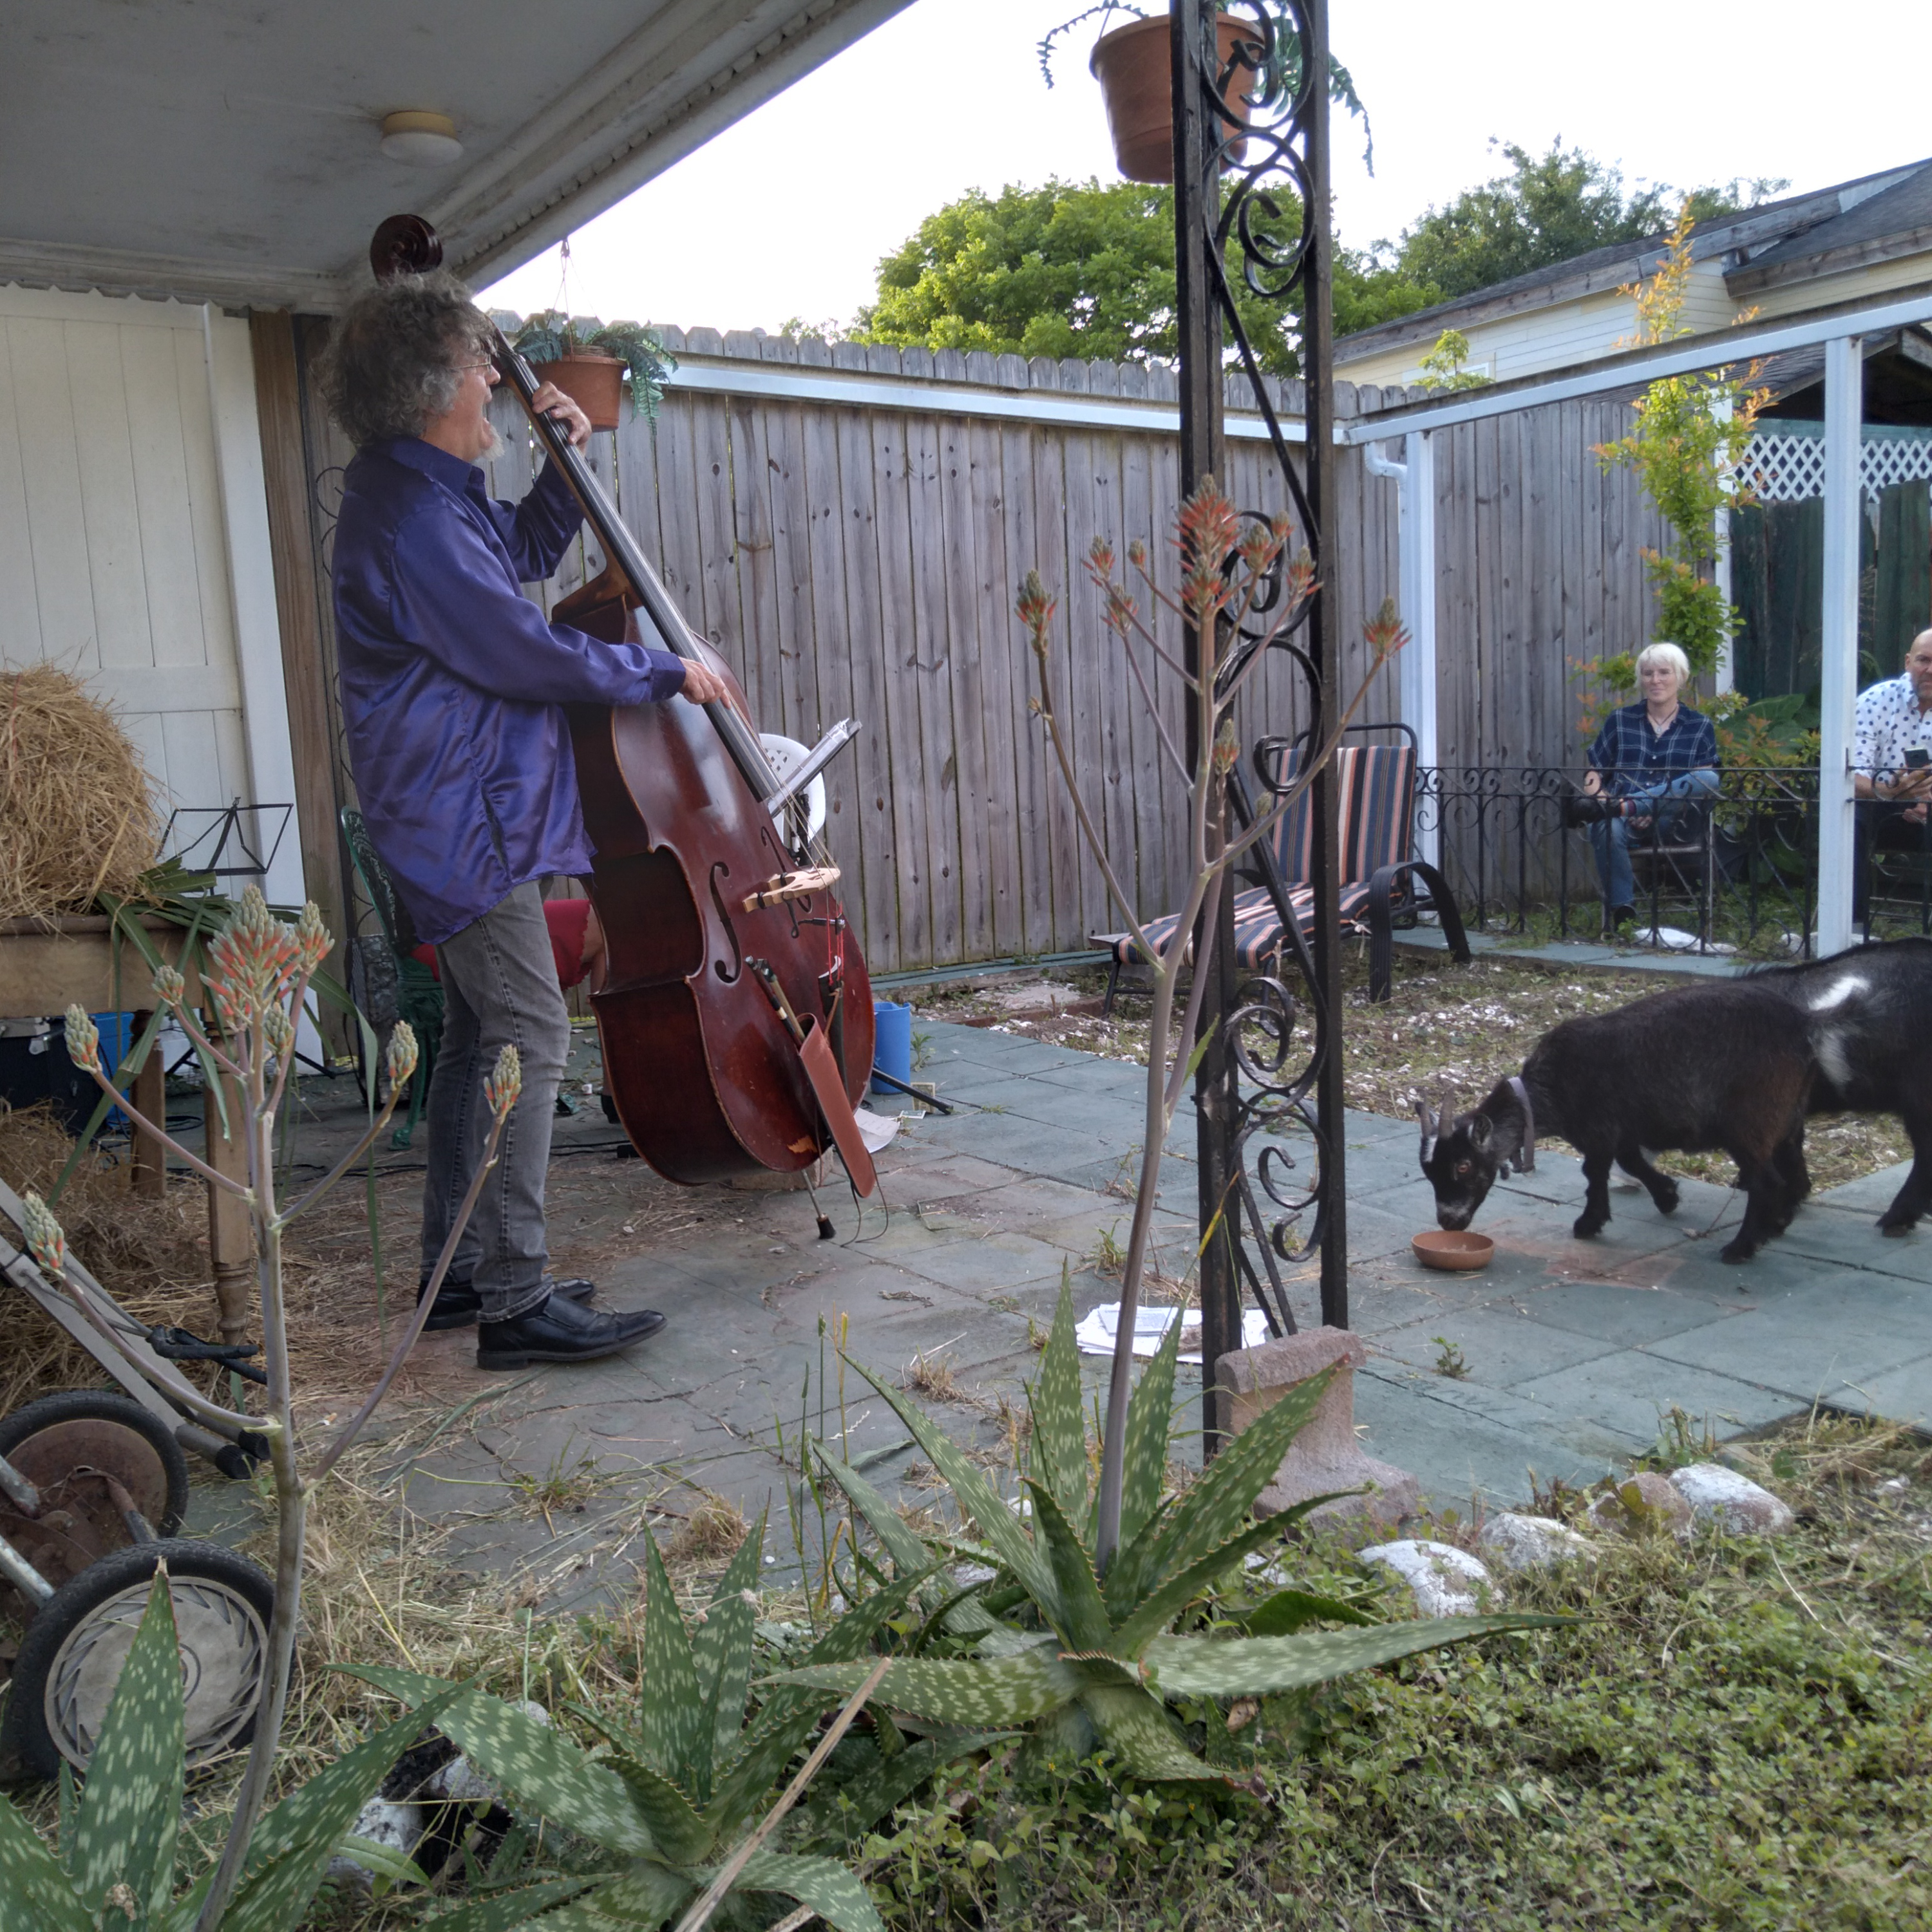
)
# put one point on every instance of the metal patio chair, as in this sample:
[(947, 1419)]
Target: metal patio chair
[(391, 984)]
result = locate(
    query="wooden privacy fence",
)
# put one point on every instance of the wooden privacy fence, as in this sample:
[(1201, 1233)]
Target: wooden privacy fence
[(849, 525)]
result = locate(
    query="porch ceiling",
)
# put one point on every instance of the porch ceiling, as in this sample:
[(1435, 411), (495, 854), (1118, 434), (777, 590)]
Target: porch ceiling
[(228, 150)]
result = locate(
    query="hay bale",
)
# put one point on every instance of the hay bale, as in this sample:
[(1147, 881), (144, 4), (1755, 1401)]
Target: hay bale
[(77, 813)]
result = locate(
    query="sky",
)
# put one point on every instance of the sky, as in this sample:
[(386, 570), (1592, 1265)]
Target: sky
[(787, 214)]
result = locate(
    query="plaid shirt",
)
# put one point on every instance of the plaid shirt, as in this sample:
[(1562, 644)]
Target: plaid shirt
[(1630, 755)]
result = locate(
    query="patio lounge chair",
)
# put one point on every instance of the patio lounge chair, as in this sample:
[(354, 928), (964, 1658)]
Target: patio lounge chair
[(1380, 875)]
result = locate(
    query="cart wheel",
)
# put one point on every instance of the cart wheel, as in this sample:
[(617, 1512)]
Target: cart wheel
[(64, 1445), (71, 1658)]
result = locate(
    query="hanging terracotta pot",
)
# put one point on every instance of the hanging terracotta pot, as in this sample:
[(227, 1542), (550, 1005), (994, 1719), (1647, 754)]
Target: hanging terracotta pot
[(1134, 69), (595, 383)]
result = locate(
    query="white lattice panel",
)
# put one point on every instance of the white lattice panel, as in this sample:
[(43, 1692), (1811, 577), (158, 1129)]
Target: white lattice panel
[(1791, 468)]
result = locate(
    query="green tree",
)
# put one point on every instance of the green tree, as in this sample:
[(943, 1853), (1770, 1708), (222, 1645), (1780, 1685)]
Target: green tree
[(1691, 434), (1076, 268), (1546, 209)]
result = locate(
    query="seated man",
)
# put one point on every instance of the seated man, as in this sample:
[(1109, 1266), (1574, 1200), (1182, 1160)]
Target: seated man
[(1649, 761), (1891, 767)]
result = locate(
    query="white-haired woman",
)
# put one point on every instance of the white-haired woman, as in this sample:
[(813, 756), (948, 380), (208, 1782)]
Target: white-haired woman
[(1650, 762)]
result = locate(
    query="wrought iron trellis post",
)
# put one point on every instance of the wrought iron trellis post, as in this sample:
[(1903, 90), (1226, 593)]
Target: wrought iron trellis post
[(1224, 209)]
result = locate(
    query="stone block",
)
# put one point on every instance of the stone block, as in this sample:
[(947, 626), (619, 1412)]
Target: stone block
[(1445, 1581), (1642, 1503), (1722, 1497), (396, 1828), (1325, 1456), (1529, 1542)]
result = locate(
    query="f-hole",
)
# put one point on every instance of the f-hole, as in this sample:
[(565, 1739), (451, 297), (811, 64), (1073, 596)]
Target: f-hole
[(737, 965)]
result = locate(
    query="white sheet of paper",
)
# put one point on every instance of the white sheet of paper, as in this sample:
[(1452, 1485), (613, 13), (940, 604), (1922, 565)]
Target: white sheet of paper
[(1096, 1332)]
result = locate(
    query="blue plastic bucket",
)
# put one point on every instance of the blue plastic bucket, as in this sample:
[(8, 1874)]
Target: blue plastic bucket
[(892, 1047)]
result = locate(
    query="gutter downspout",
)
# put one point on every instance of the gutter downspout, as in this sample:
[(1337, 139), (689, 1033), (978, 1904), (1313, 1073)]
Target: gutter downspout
[(1415, 595)]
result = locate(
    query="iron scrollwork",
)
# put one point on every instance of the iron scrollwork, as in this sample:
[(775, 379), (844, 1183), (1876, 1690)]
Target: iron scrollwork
[(1266, 161)]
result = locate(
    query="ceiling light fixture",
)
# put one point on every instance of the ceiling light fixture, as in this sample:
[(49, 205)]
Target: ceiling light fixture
[(421, 140)]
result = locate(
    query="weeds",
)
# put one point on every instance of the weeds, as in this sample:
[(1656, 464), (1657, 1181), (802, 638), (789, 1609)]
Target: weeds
[(711, 1532), (930, 1377), (1449, 1359), (1681, 1440), (564, 1488), (1106, 1257)]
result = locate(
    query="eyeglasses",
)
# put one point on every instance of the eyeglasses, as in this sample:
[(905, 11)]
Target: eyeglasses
[(464, 368)]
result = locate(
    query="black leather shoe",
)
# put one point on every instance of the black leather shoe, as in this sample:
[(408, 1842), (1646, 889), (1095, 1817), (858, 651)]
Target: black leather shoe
[(457, 1303), (1588, 807), (560, 1330)]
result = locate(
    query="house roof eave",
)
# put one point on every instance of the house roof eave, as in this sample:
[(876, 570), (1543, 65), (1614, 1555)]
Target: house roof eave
[(243, 169), (1601, 271), (1752, 280)]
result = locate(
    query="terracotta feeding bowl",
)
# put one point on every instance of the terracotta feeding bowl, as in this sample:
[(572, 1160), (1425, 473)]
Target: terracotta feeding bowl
[(1439, 1249)]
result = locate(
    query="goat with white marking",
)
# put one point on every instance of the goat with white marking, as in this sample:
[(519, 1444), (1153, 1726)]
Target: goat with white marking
[(1728, 1066), (1869, 1012)]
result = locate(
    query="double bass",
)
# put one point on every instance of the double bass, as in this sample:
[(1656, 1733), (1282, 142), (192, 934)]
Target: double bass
[(736, 1012)]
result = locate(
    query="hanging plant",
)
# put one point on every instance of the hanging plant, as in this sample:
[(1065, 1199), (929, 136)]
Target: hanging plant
[(552, 342), (1130, 61)]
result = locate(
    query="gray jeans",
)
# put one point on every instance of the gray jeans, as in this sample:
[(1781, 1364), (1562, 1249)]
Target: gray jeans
[(499, 989)]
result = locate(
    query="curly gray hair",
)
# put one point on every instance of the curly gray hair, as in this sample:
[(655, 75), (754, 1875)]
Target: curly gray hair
[(393, 359)]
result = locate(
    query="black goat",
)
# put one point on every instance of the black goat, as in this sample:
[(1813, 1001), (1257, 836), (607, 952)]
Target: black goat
[(1869, 1012), (1728, 1066)]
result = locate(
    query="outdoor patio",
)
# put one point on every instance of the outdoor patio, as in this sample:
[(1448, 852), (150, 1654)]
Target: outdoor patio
[(1573, 1350)]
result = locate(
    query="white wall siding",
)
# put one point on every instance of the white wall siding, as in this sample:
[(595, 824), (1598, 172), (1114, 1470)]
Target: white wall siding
[(1854, 285), (133, 537)]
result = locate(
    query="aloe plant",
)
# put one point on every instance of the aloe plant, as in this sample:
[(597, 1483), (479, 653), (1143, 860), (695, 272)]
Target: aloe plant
[(674, 1797), (1110, 1661), (116, 1861), (257, 973)]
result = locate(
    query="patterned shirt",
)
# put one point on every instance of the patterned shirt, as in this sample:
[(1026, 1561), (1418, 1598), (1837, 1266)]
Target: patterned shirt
[(1631, 756), (1887, 721)]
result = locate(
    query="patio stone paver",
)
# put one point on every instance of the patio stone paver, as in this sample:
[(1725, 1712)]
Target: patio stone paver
[(1573, 1348)]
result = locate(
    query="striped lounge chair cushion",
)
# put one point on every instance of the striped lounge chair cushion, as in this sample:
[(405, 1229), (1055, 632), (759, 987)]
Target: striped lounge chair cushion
[(1375, 811)]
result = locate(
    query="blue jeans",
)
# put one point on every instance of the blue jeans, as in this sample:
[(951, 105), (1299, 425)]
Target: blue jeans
[(499, 989), (1610, 838)]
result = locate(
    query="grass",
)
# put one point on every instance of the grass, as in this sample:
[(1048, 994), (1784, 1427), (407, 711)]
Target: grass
[(1447, 1030), (934, 1378), (711, 1532), (1738, 1738)]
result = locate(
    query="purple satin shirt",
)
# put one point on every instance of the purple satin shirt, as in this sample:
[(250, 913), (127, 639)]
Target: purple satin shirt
[(451, 680)]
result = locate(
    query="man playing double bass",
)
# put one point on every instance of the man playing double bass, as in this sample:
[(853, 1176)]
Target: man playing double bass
[(451, 681)]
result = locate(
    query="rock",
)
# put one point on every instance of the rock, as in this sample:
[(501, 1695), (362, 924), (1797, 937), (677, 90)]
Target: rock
[(1721, 1496), (1445, 1581), (459, 1782), (1644, 1502), (1325, 1456), (1529, 1542), (398, 1828)]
